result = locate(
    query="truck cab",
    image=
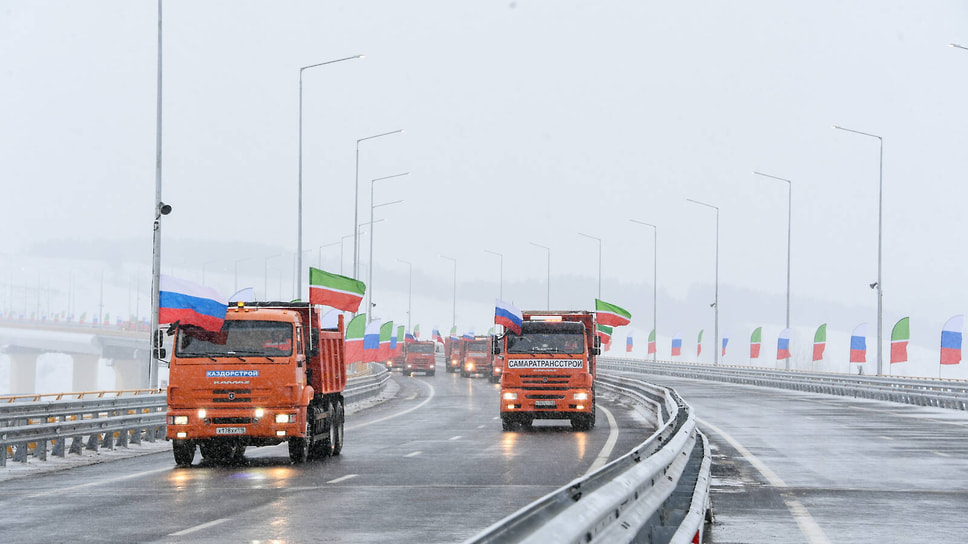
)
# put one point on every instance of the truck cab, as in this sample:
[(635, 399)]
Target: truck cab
[(420, 358), (476, 357)]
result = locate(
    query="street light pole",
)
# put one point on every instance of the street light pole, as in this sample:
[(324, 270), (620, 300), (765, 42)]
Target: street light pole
[(356, 202), (789, 221), (599, 261), (716, 299), (548, 249), (501, 284), (156, 231), (369, 281), (880, 215), (409, 291), (454, 320), (299, 249), (655, 268)]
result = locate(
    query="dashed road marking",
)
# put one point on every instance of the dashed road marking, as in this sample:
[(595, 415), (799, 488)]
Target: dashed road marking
[(190, 530), (458, 437), (940, 453), (343, 478), (887, 438), (413, 454)]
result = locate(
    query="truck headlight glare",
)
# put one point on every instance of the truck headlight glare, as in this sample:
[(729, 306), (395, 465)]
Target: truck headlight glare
[(581, 396), (510, 396), (202, 413), (180, 420), (259, 412), (285, 418)]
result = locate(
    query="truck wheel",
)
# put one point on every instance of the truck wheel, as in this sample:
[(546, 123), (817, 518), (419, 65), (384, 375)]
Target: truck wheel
[(506, 422), (432, 372), (581, 422), (337, 437), (184, 451), (299, 447)]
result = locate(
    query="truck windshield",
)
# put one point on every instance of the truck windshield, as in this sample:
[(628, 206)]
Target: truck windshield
[(420, 348), (237, 338), (478, 346), (546, 343)]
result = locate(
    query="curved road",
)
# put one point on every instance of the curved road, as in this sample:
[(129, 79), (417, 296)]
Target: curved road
[(430, 465), (794, 467)]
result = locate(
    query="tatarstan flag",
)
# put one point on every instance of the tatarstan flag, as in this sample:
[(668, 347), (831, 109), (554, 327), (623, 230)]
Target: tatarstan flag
[(819, 342), (416, 331), (699, 344), (386, 335), (755, 340), (340, 292), (900, 335), (605, 332), (652, 341), (611, 315), (354, 339)]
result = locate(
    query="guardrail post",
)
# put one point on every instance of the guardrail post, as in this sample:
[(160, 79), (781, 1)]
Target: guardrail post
[(58, 450), (40, 449), (122, 438), (93, 441), (77, 445), (108, 441), (20, 453), (136, 435)]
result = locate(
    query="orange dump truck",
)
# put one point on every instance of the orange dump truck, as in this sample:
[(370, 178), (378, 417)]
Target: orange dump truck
[(549, 369), (420, 357), (269, 376), (476, 356)]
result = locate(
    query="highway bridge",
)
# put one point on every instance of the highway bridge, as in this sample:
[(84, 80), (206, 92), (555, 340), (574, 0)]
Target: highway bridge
[(432, 465)]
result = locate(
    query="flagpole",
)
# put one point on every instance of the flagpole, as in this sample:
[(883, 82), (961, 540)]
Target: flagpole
[(655, 273), (356, 203)]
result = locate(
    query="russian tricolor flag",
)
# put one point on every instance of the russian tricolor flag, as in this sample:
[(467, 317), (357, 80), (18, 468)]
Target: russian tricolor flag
[(858, 344), (951, 340), (409, 338), (783, 345), (469, 335), (437, 336), (371, 341), (677, 345), (508, 316), (628, 344), (190, 304), (725, 341)]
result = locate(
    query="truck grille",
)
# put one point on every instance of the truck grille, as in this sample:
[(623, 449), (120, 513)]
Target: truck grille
[(544, 380), (231, 420), (544, 397), (231, 395)]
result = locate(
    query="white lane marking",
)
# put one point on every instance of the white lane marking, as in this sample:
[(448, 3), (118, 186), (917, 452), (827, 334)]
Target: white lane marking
[(887, 438), (481, 426), (458, 437), (805, 521), (398, 414), (190, 530), (413, 454), (99, 482), (609, 443), (941, 454), (343, 478)]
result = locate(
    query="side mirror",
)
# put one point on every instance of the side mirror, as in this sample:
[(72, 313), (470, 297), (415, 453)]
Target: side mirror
[(597, 346), (495, 345), (158, 341), (162, 353)]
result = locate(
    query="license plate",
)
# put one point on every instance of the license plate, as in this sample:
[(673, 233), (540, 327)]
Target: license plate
[(544, 404), (229, 430)]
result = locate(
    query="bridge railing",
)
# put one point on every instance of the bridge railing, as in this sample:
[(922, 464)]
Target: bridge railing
[(658, 492), (107, 419), (952, 394)]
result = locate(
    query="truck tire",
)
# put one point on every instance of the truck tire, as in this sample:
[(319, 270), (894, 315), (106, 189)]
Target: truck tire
[(581, 422), (506, 422), (338, 435), (324, 446), (184, 451), (299, 446)]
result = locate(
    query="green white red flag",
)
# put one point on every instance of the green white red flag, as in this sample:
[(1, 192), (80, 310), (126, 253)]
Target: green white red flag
[(611, 315), (900, 335), (819, 342), (333, 290)]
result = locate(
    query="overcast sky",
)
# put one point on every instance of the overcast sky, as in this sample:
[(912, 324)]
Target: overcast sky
[(526, 121)]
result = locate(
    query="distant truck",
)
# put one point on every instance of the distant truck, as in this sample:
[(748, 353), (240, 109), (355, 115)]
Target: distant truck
[(452, 354), (476, 357), (396, 362), (420, 357), (497, 369), (269, 376), (549, 369)]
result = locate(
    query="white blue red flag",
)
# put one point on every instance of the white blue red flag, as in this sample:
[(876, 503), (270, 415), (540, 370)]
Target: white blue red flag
[(783, 345), (371, 341), (508, 316), (437, 336), (858, 344), (951, 340), (677, 344), (628, 343), (188, 303), (409, 338), (469, 335), (725, 341)]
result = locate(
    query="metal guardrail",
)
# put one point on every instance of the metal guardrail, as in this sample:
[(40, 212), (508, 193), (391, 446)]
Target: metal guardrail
[(951, 394), (658, 492), (108, 420)]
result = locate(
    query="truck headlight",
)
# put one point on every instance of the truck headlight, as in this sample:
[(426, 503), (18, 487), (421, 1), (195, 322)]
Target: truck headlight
[(259, 412), (179, 420), (285, 418), (510, 396), (202, 413), (581, 396)]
